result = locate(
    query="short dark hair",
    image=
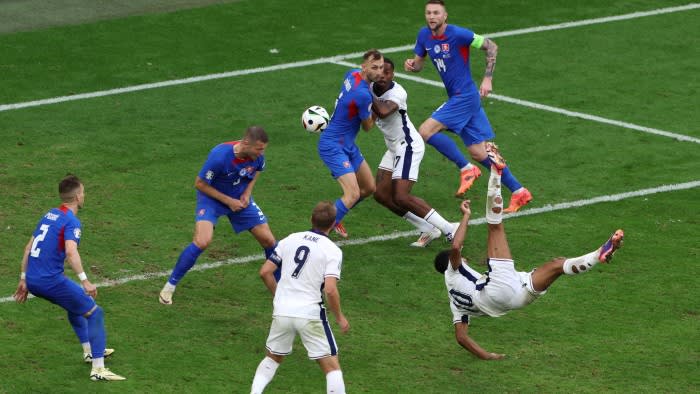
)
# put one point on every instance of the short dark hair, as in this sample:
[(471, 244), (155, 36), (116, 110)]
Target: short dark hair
[(442, 259), (372, 54), (323, 216), (68, 186), (391, 62), (440, 2), (256, 133)]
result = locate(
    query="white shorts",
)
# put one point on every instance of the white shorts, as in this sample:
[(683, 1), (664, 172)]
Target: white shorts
[(403, 161), (506, 289), (316, 335)]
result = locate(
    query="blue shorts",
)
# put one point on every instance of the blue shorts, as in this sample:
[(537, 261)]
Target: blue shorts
[(460, 115), (63, 292), (210, 210), (341, 160)]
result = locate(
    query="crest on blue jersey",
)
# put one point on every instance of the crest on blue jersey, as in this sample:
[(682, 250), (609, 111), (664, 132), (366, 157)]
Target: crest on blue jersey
[(436, 49)]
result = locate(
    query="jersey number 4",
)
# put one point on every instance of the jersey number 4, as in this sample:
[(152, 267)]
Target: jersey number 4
[(300, 257), (35, 250)]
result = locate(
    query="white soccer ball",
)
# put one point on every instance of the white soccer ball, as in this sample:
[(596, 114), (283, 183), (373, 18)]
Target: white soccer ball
[(315, 119)]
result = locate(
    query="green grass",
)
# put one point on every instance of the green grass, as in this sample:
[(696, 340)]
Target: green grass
[(631, 326)]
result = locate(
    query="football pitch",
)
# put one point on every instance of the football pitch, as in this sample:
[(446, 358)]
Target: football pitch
[(595, 107)]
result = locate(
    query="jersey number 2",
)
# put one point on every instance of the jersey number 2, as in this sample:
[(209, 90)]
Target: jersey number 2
[(35, 251), (300, 257)]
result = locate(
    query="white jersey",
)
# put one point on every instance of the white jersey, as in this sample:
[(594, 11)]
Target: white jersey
[(397, 126), (463, 286), (307, 259), (495, 293)]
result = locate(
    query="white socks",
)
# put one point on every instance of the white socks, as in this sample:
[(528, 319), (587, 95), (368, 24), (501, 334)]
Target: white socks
[(98, 363), (436, 220), (335, 383), (581, 264), (86, 348), (418, 222), (169, 287), (494, 200), (263, 375)]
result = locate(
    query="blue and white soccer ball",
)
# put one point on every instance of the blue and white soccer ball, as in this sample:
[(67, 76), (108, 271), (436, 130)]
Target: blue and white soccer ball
[(315, 119)]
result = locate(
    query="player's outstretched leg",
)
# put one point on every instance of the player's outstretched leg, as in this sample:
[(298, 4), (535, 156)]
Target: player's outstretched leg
[(603, 254), (520, 195)]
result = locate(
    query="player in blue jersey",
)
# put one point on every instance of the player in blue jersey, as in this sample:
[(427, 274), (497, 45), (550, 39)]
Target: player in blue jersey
[(55, 240), (448, 47), (502, 288), (224, 187), (337, 147)]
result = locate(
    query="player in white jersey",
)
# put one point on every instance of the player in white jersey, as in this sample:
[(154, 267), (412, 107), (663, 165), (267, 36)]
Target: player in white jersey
[(502, 288), (310, 264), (398, 170)]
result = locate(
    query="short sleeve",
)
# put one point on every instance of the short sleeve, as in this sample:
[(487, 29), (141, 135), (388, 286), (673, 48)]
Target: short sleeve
[(419, 49), (365, 106), (464, 36), (73, 230), (334, 262), (212, 166)]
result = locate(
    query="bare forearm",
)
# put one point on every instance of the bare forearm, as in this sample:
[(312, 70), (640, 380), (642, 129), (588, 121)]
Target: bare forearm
[(211, 191), (25, 256), (333, 302), (491, 50)]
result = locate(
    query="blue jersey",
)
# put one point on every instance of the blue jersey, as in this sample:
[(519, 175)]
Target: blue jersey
[(354, 105), (450, 55), (228, 174), (48, 252)]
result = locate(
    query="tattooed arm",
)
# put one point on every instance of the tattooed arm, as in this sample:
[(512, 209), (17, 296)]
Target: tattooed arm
[(491, 50)]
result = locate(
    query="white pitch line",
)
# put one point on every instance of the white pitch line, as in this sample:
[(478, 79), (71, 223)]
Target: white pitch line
[(174, 82), (404, 234), (543, 107)]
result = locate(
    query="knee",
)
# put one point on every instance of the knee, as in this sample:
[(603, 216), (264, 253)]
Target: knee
[(352, 195), (368, 191), (382, 197), (201, 241), (95, 313), (403, 200)]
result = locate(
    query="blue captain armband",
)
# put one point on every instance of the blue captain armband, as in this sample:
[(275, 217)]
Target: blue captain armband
[(478, 41)]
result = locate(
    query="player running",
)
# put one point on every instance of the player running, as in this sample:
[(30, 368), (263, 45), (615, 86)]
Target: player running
[(398, 170), (502, 288), (337, 147), (448, 47), (311, 266), (224, 187), (55, 240)]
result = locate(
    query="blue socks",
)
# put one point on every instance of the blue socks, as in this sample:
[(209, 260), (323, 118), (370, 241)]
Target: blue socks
[(186, 261), (96, 332), (80, 326), (449, 149), (340, 210), (507, 177)]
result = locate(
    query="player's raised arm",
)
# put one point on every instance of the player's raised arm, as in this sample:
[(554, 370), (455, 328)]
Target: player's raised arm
[(460, 234), (466, 342), (333, 302), (414, 65)]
